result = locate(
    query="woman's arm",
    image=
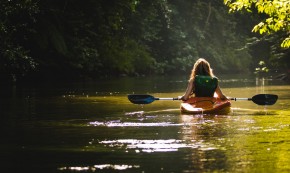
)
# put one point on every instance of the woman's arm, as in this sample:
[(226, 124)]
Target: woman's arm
[(220, 93), (188, 91)]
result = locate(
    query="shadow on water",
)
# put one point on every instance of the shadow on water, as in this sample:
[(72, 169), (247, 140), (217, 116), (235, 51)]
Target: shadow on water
[(92, 127)]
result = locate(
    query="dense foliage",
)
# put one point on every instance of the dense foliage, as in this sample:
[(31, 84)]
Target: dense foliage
[(277, 12), (73, 38), (274, 24)]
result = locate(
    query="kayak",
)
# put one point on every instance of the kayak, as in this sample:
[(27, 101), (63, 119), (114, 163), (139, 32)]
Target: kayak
[(205, 105)]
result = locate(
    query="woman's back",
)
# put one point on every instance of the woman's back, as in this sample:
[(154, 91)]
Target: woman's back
[(205, 86)]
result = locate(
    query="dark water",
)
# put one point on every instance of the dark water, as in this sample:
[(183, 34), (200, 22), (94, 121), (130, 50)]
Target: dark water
[(92, 127)]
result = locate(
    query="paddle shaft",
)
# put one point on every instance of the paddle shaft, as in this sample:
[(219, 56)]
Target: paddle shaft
[(235, 99), (166, 99)]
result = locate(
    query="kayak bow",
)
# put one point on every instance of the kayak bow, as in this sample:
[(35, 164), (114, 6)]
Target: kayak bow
[(205, 105)]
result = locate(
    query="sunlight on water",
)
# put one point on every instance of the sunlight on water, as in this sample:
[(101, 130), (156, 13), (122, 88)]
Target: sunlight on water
[(140, 119), (245, 111), (96, 129), (98, 167), (150, 146), (137, 113), (132, 124)]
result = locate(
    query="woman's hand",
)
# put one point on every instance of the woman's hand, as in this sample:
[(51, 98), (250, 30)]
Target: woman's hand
[(223, 97), (183, 98)]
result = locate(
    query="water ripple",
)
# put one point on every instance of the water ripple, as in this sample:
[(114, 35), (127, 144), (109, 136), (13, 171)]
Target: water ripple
[(132, 124), (98, 167), (160, 145)]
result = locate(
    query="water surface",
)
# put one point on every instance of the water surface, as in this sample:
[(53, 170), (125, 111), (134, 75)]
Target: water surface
[(92, 127)]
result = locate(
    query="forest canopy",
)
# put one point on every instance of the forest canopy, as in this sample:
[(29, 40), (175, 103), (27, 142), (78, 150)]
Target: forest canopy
[(277, 12), (73, 38)]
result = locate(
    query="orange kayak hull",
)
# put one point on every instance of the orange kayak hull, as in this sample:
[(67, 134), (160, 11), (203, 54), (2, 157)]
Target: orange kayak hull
[(205, 105)]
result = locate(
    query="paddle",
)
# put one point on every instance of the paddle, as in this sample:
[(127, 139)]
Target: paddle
[(145, 99), (260, 99)]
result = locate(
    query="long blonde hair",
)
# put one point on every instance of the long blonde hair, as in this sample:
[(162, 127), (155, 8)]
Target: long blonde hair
[(201, 67)]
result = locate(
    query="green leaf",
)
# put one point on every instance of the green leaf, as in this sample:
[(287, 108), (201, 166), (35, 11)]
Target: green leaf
[(286, 43)]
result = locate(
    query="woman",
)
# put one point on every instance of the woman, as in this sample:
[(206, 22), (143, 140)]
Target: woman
[(202, 82)]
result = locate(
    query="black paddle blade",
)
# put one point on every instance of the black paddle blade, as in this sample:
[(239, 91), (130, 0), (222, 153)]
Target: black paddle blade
[(265, 99), (141, 99)]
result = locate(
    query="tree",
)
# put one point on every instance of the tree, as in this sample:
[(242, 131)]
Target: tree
[(60, 38), (277, 12), (16, 21)]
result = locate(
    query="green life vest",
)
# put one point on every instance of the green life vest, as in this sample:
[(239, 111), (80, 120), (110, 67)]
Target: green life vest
[(205, 86)]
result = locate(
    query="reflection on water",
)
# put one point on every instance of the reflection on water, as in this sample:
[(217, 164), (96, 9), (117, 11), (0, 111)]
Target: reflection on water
[(132, 124), (94, 128), (98, 167), (150, 146)]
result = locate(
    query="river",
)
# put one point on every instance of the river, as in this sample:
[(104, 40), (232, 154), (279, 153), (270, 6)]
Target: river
[(92, 127)]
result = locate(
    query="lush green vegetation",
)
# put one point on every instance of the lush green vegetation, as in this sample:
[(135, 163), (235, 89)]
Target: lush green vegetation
[(52, 38), (277, 12), (274, 24)]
